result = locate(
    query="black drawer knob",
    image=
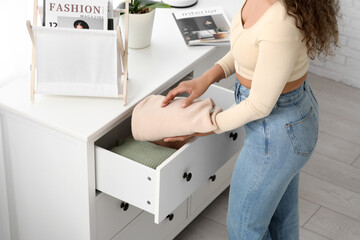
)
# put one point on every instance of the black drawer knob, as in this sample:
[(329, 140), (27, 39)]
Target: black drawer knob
[(170, 217), (234, 136), (124, 206), (212, 178), (187, 176)]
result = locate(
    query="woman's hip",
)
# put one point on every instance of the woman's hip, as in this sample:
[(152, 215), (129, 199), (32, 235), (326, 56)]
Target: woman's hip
[(291, 127)]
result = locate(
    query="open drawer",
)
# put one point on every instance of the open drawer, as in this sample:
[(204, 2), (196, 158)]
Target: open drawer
[(159, 191)]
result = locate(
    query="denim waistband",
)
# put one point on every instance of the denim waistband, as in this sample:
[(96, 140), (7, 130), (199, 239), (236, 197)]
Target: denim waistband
[(284, 98)]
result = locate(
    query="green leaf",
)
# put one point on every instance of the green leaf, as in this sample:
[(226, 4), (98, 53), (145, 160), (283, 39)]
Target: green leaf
[(147, 2), (137, 6), (160, 5)]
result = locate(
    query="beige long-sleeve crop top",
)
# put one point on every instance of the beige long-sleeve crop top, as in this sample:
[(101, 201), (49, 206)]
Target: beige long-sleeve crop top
[(270, 53)]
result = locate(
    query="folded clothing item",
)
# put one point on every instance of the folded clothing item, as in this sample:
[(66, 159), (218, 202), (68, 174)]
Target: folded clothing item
[(146, 153), (151, 122)]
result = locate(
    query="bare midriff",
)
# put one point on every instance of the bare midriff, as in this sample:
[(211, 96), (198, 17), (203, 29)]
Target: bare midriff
[(288, 87)]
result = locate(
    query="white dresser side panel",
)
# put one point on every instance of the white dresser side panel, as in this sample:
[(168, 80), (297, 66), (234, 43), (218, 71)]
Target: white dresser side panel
[(47, 177), (4, 216)]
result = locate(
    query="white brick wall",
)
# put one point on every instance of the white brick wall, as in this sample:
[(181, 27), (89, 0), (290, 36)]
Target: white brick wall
[(345, 65)]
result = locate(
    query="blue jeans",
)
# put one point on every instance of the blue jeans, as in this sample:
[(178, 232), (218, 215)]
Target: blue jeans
[(263, 200)]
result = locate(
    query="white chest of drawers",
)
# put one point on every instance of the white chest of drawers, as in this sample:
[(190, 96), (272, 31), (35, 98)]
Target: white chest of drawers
[(50, 156)]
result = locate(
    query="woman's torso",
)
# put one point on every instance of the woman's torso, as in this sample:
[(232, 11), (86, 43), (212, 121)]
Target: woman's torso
[(245, 41)]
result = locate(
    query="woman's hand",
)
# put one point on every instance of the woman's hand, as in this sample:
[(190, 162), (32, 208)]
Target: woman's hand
[(195, 88), (184, 138)]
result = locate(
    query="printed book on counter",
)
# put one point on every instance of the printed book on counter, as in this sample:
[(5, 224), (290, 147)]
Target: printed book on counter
[(204, 26), (81, 14)]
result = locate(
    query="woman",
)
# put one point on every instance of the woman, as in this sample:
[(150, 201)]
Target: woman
[(80, 24), (271, 43)]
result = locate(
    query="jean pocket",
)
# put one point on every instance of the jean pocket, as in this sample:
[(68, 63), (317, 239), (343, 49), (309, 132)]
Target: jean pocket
[(303, 133)]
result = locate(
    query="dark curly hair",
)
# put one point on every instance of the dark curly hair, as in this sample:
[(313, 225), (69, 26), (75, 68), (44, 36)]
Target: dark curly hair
[(318, 21)]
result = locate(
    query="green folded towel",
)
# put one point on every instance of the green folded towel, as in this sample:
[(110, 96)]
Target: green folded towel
[(146, 153)]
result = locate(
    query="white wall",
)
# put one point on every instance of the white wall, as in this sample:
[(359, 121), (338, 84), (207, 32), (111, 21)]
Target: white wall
[(15, 44), (345, 66)]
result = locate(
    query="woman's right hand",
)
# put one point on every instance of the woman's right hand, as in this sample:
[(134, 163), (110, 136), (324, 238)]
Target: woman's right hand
[(195, 88)]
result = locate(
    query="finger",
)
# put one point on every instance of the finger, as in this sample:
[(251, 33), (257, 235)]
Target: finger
[(187, 101), (179, 138), (173, 139), (204, 134), (171, 95), (176, 139)]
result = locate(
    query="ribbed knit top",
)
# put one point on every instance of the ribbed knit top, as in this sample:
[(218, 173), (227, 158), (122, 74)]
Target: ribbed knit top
[(270, 53)]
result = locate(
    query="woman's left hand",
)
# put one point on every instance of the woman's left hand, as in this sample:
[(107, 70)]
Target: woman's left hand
[(186, 137)]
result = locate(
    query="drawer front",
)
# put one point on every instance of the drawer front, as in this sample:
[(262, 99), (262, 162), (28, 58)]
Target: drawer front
[(202, 157), (143, 227), (200, 197), (112, 215), (125, 179)]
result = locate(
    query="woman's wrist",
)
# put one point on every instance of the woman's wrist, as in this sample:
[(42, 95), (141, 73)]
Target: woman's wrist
[(214, 74)]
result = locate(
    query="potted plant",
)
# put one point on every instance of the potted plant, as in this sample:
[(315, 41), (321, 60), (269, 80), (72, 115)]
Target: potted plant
[(141, 19)]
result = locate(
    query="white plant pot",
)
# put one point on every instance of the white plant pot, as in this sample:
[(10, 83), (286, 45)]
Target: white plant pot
[(140, 29)]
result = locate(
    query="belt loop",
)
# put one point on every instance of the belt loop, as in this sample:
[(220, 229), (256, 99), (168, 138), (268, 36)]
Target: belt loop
[(276, 106)]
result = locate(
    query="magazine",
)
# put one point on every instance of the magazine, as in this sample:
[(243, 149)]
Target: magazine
[(204, 26), (110, 15), (83, 14)]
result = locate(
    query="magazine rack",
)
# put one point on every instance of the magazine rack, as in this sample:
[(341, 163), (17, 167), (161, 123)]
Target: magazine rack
[(77, 62)]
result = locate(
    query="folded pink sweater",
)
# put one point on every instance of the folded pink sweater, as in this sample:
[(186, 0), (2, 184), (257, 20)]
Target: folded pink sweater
[(151, 122)]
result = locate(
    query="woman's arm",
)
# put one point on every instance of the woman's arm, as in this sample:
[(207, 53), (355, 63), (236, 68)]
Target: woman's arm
[(279, 47)]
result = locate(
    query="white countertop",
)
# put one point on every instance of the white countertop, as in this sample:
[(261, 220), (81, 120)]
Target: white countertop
[(152, 69)]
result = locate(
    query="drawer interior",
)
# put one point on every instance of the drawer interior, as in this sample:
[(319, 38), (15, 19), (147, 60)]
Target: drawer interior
[(122, 132)]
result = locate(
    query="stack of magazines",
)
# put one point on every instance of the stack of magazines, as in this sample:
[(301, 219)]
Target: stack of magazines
[(80, 14)]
